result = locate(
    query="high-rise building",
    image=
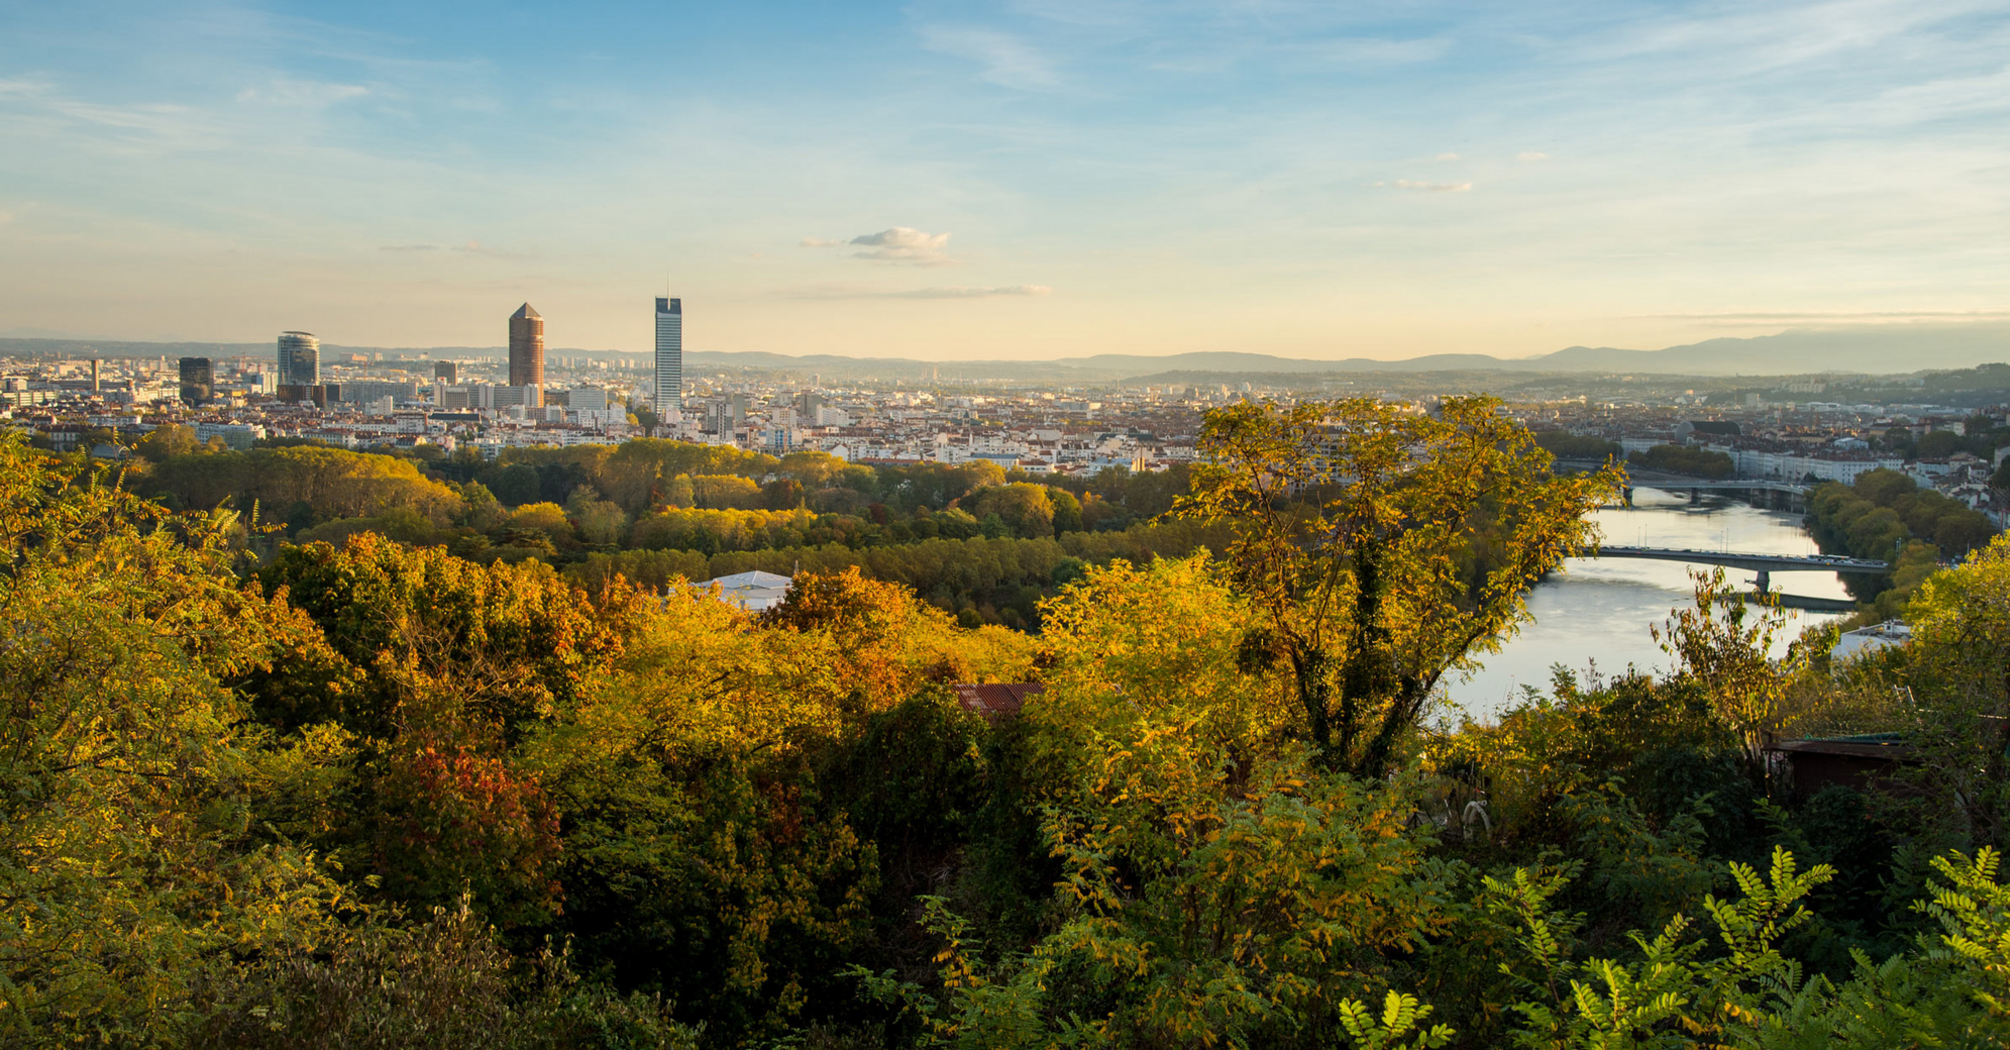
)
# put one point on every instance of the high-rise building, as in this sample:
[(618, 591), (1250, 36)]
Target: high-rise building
[(526, 347), (299, 359), (446, 371), (198, 381), (669, 354)]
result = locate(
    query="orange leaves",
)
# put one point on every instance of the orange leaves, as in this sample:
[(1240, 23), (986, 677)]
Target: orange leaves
[(454, 819)]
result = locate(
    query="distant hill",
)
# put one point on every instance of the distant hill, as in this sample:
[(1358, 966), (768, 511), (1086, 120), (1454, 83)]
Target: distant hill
[(1877, 350), (1884, 349)]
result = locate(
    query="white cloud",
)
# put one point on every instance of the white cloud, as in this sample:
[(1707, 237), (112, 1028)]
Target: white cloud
[(818, 242), (1449, 156), (1529, 154), (904, 244), (1006, 60), (1429, 187)]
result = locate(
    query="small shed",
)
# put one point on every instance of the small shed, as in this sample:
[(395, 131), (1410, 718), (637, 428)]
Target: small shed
[(1859, 762)]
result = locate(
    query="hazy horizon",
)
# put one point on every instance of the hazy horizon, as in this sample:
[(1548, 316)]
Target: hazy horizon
[(1024, 180)]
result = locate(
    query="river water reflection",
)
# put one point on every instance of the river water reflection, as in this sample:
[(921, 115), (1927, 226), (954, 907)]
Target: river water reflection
[(1600, 611)]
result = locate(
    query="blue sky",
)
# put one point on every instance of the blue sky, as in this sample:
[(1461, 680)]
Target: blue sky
[(1031, 179)]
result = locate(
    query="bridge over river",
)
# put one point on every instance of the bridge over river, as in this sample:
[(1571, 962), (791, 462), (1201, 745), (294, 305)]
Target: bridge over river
[(1762, 564), (1775, 490)]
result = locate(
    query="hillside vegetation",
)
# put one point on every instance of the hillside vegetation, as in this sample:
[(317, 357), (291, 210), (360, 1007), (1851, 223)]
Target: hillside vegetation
[(264, 790)]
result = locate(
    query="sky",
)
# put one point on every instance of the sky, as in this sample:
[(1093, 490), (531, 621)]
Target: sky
[(1030, 179)]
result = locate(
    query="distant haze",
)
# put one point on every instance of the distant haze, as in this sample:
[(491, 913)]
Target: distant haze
[(1881, 351)]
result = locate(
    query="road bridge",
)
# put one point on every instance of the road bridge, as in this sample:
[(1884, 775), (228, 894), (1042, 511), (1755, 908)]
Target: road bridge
[(1658, 479), (1763, 564)]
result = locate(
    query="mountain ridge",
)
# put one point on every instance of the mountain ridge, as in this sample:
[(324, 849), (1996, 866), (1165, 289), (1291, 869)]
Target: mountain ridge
[(1872, 350)]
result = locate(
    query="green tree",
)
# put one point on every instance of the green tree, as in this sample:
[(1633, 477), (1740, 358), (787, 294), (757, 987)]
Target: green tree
[(134, 857), (1382, 547), (1732, 662), (1025, 508)]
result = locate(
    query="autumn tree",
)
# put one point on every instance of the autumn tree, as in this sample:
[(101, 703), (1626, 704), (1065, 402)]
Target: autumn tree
[(1728, 652), (134, 853), (1026, 509), (1382, 547)]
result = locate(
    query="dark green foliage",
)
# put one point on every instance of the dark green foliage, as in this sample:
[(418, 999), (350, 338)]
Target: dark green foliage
[(1564, 445), (1682, 459), (441, 984)]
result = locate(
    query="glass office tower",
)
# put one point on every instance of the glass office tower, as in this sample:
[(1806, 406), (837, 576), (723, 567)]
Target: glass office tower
[(669, 354), (299, 359)]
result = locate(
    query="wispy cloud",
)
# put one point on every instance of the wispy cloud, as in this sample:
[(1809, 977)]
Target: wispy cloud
[(40, 107), (939, 292), (1379, 51), (302, 93), (1448, 156), (1838, 317), (818, 242), (1005, 59), (1531, 155), (467, 247), (1428, 187), (962, 292), (904, 244)]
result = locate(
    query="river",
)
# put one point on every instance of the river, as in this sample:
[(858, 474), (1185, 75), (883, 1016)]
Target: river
[(1600, 611)]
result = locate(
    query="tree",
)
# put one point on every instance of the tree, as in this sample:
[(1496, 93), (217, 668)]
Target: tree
[(546, 519), (134, 844), (1067, 511), (166, 442), (1958, 667), (1025, 508), (1939, 444), (599, 522), (1732, 662), (1382, 547)]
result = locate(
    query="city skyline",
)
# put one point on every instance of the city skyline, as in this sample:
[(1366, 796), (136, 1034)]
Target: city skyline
[(1023, 180)]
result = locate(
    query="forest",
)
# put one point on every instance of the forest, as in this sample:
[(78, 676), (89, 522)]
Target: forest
[(653, 509), (1885, 515), (261, 787)]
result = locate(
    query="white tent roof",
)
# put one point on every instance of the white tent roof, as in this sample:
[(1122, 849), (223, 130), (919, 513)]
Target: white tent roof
[(753, 591)]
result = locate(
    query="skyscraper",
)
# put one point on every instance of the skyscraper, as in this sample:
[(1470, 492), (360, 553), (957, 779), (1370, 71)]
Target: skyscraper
[(526, 347), (669, 354), (299, 359), (198, 381), (447, 371)]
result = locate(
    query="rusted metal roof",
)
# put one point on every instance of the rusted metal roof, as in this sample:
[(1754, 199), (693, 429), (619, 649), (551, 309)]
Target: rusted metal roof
[(996, 700), (1856, 747)]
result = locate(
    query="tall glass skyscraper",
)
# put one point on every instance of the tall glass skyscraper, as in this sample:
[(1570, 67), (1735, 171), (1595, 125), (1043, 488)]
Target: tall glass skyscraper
[(299, 359), (669, 354), (526, 347), (198, 381)]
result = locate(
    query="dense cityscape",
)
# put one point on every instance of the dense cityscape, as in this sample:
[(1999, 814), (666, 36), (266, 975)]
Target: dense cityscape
[(1785, 428)]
